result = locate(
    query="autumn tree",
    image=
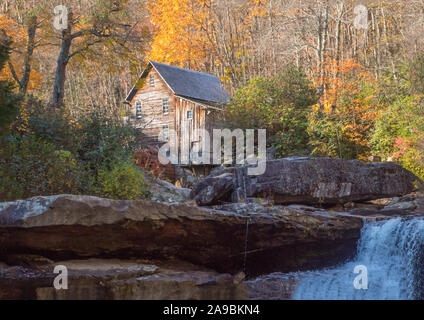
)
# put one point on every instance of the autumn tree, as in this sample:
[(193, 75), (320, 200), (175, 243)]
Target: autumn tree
[(341, 125), (207, 35), (91, 26), (178, 38), (21, 20)]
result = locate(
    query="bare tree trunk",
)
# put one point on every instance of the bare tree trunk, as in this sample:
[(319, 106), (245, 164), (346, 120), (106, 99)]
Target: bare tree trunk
[(26, 70), (340, 8), (32, 28), (322, 46), (62, 63), (271, 25), (389, 51), (338, 35)]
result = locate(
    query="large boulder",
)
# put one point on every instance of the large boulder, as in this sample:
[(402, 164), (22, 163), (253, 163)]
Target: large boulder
[(308, 181), (165, 191), (213, 187), (249, 237)]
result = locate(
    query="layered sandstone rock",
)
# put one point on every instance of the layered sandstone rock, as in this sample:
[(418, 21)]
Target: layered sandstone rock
[(114, 279), (308, 181), (255, 239)]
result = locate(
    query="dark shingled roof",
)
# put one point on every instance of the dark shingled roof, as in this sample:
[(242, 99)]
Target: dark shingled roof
[(191, 84)]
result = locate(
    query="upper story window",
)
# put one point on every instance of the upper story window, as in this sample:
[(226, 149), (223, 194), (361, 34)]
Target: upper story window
[(152, 80), (189, 114), (138, 109), (165, 106)]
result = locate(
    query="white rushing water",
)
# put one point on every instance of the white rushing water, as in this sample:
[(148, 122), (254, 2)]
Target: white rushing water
[(392, 252)]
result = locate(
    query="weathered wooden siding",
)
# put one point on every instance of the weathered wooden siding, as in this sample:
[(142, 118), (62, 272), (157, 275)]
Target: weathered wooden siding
[(153, 119), (187, 126), (151, 98), (212, 122)]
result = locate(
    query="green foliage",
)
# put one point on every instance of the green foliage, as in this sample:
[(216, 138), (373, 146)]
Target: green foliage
[(124, 181), (51, 154), (30, 166), (102, 140), (413, 161), (391, 123), (328, 137), (106, 147), (8, 100), (399, 133), (390, 89), (53, 126), (280, 105), (295, 88)]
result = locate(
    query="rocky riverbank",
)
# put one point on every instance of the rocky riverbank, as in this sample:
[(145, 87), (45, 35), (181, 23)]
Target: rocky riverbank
[(116, 279), (116, 249)]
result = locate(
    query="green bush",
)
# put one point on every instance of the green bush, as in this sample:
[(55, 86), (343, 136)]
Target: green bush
[(328, 137), (30, 166), (101, 141), (413, 161), (397, 120), (399, 134), (51, 153), (53, 127), (124, 181)]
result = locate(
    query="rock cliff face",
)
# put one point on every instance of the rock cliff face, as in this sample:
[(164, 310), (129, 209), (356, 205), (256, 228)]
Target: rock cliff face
[(226, 239), (308, 181)]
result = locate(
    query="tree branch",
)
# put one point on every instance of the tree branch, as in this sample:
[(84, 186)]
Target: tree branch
[(81, 50), (13, 72)]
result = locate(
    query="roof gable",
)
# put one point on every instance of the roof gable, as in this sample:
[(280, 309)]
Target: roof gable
[(192, 84)]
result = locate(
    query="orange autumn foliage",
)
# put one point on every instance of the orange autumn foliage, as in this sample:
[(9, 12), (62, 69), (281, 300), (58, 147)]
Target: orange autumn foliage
[(19, 37), (349, 99)]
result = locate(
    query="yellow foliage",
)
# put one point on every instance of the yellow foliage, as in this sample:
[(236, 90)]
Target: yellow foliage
[(183, 31), (178, 38)]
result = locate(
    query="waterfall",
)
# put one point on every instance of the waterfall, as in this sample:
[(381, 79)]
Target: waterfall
[(392, 252)]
